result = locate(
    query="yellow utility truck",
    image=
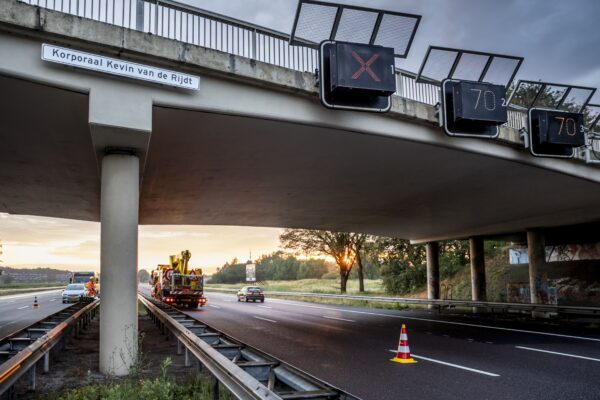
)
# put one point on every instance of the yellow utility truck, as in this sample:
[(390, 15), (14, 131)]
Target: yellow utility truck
[(177, 284)]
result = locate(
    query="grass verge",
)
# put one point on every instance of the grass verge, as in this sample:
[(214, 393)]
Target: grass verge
[(373, 287), (163, 387)]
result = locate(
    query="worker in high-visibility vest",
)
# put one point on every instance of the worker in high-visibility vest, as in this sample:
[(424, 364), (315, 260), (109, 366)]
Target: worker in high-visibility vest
[(91, 287)]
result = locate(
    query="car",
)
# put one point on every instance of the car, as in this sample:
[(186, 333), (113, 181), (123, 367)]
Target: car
[(253, 293), (73, 293)]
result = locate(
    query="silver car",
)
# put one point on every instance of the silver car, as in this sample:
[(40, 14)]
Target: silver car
[(74, 293)]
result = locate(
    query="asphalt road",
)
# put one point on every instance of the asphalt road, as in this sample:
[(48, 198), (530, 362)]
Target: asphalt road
[(458, 357), (16, 311)]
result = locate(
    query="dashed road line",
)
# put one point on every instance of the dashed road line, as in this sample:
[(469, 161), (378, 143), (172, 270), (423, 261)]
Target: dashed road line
[(557, 353), (20, 308), (213, 306), (264, 306), (338, 319), (265, 319), (450, 364), (444, 322)]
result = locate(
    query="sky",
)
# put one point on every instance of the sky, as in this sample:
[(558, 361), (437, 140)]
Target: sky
[(560, 41)]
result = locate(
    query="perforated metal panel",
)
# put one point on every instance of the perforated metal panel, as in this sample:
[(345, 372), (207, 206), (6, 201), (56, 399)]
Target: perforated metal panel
[(317, 21), (445, 63)]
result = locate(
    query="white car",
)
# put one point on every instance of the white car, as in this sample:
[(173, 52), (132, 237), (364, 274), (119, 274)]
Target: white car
[(74, 293)]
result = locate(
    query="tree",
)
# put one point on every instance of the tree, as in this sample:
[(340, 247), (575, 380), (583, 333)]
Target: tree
[(359, 241), (340, 246), (403, 266), (143, 276)]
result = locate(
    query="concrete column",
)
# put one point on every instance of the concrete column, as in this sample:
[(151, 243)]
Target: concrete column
[(476, 254), (433, 271), (536, 249), (118, 263)]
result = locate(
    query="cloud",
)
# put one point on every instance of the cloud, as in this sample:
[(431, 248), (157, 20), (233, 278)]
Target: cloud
[(558, 39)]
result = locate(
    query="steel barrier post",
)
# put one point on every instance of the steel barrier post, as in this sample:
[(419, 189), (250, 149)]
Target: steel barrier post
[(215, 388), (187, 357), (32, 378), (47, 362)]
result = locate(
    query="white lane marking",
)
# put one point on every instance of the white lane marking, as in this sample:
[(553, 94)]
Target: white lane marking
[(265, 319), (264, 306), (52, 299), (444, 322), (557, 353), (450, 364), (338, 319), (213, 306), (20, 308)]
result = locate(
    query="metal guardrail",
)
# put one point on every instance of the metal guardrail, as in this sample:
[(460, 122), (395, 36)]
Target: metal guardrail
[(22, 351), (203, 28), (245, 371), (440, 304)]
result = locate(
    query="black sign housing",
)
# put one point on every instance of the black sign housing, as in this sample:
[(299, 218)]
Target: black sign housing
[(357, 76), (555, 133), (473, 109)]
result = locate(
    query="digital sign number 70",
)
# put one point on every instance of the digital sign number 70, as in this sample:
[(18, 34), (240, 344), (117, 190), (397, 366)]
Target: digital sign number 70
[(489, 99)]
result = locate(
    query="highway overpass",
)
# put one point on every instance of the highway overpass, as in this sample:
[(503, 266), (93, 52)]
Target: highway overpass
[(253, 146)]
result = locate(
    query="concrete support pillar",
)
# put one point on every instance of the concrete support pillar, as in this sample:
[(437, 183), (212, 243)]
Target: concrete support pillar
[(478, 288), (118, 263), (536, 248), (433, 271), (179, 349)]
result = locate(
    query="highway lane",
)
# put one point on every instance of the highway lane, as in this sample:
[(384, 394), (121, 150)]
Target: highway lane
[(16, 311), (461, 358)]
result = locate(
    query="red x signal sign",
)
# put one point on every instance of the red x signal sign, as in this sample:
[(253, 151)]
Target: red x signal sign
[(365, 66)]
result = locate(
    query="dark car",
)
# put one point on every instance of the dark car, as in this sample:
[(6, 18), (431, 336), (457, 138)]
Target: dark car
[(253, 293)]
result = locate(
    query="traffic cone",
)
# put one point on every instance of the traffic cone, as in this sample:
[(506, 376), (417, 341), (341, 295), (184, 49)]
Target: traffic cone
[(403, 354), (35, 303)]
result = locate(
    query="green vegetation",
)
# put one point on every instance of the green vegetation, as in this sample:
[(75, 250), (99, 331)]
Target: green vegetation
[(276, 266), (161, 388)]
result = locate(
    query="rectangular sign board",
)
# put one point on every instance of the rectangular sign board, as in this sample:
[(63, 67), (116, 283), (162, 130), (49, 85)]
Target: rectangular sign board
[(362, 68), (483, 102), (250, 272), (115, 66)]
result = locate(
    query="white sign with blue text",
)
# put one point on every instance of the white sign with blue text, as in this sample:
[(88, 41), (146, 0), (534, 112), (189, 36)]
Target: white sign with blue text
[(115, 66)]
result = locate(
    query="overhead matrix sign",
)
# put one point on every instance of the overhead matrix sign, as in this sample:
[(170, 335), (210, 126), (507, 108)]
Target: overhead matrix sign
[(115, 66)]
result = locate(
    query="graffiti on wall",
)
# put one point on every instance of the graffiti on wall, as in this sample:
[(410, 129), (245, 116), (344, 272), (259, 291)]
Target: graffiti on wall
[(567, 252)]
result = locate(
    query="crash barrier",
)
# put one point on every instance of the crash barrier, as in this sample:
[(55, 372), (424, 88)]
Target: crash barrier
[(20, 352), (444, 304), (245, 371)]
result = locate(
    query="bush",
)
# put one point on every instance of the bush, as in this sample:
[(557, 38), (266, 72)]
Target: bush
[(399, 278)]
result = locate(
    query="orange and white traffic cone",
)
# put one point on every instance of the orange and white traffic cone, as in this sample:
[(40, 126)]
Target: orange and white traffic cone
[(35, 303), (403, 354)]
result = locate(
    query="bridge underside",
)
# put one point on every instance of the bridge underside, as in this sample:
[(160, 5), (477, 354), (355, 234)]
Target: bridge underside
[(214, 168)]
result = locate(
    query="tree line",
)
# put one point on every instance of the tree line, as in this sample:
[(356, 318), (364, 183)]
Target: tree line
[(277, 266), (400, 265)]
